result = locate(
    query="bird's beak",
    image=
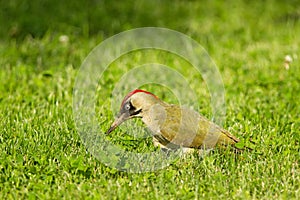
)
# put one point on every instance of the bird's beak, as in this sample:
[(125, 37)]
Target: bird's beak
[(121, 118)]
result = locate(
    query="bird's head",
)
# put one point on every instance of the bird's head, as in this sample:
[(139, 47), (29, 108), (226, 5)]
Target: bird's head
[(133, 105)]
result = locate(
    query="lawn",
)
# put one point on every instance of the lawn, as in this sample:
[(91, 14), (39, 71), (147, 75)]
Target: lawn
[(44, 43)]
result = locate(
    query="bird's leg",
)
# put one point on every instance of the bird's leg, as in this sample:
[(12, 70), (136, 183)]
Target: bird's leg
[(156, 143), (203, 152)]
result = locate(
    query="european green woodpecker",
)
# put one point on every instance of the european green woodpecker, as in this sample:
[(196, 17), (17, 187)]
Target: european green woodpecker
[(172, 126)]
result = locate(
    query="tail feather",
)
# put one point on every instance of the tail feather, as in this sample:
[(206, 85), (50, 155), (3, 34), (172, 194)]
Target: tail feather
[(235, 142)]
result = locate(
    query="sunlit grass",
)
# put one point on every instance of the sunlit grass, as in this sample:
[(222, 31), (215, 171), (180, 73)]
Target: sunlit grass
[(44, 157)]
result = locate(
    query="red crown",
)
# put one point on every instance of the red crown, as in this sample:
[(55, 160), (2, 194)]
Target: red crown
[(134, 92)]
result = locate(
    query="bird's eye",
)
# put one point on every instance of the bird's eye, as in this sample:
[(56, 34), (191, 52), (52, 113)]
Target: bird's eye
[(127, 106)]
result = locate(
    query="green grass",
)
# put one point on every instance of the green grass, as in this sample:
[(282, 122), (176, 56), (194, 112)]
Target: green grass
[(42, 155)]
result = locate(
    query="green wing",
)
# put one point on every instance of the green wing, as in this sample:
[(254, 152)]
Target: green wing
[(187, 128)]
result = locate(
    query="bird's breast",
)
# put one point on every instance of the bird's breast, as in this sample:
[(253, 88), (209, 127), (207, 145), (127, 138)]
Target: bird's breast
[(171, 124), (154, 118)]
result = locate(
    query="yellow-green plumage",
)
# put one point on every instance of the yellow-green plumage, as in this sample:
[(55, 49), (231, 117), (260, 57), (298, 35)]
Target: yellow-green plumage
[(184, 127), (173, 126)]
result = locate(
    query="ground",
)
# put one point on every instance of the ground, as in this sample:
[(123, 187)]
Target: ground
[(42, 46)]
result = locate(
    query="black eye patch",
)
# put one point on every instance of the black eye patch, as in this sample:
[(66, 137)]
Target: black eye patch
[(135, 112), (128, 107)]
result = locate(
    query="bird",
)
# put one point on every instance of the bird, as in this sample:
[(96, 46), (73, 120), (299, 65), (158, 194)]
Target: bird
[(172, 126)]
